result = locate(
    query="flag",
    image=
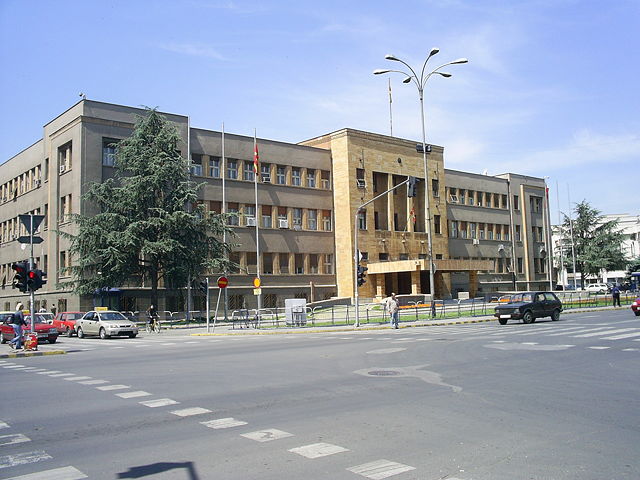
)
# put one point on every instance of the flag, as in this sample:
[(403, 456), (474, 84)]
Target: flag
[(412, 214), (256, 159), (390, 99)]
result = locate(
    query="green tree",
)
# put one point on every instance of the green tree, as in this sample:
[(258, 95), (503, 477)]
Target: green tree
[(146, 224), (597, 243)]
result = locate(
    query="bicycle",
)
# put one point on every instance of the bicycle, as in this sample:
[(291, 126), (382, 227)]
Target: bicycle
[(153, 325)]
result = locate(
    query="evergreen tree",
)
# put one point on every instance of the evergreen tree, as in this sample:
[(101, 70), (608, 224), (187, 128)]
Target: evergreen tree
[(598, 243), (146, 224)]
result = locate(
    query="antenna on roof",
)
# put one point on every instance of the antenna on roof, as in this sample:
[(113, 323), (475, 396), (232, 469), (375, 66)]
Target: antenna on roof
[(83, 95)]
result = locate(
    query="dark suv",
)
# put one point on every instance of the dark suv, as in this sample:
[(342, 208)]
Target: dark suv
[(527, 306)]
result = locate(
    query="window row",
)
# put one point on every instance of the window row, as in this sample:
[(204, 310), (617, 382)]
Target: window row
[(463, 196), (283, 263), (23, 183), (13, 228), (271, 216), (481, 231)]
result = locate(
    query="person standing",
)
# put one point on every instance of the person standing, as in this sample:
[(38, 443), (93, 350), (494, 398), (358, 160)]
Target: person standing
[(393, 307), (17, 323), (615, 292)]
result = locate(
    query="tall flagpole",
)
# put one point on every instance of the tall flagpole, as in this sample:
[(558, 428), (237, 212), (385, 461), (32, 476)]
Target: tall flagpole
[(223, 174), (390, 112), (256, 170)]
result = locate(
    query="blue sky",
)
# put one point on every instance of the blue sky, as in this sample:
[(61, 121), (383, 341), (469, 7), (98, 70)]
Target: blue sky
[(551, 87)]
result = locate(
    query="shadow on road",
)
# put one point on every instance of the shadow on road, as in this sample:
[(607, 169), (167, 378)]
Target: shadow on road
[(155, 468)]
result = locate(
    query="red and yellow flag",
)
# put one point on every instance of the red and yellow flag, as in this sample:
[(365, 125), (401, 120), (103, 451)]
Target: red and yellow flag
[(256, 159)]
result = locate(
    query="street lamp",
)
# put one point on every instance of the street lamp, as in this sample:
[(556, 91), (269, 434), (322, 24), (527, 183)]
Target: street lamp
[(420, 82)]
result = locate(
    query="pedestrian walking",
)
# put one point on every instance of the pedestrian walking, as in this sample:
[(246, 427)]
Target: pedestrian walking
[(615, 292), (17, 323), (393, 307)]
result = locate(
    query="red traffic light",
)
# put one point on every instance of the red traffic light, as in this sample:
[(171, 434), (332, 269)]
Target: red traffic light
[(32, 275)]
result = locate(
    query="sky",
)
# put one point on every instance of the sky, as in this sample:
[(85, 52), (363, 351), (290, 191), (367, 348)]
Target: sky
[(550, 90)]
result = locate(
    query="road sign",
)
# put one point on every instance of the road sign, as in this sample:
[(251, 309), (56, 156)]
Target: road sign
[(257, 291), (223, 282), (256, 282), (26, 239), (31, 222)]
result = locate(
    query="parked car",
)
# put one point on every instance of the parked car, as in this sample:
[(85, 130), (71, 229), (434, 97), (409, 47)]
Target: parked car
[(635, 307), (105, 323), (65, 322), (528, 306), (596, 288), (44, 331), (47, 317)]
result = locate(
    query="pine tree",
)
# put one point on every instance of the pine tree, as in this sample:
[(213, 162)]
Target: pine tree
[(146, 224), (598, 243)]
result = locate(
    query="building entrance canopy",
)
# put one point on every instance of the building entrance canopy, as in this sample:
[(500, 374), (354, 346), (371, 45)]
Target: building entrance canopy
[(443, 266)]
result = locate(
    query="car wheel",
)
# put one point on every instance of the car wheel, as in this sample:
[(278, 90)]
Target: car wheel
[(80, 332), (528, 317), (555, 316), (636, 312), (68, 332), (132, 335), (503, 321), (103, 334), (53, 339), (4, 340)]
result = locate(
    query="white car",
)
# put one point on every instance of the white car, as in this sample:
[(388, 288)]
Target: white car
[(596, 288), (105, 323)]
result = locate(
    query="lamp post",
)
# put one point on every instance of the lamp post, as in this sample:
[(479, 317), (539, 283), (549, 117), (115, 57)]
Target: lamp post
[(420, 82)]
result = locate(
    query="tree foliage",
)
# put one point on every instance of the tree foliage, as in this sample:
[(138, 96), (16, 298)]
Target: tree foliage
[(147, 224), (597, 243)]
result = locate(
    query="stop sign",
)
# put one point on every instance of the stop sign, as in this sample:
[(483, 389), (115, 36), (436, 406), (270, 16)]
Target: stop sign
[(223, 282)]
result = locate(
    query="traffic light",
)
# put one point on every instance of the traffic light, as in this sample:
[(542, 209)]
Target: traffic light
[(35, 280), (203, 287), (20, 277), (412, 189), (362, 271)]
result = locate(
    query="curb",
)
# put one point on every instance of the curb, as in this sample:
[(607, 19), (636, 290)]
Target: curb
[(341, 329), (32, 354)]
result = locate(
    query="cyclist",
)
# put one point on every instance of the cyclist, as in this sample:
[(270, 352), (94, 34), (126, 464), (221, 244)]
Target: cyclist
[(152, 319)]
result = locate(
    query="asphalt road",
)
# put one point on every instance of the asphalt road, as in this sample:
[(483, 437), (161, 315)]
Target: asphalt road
[(550, 400)]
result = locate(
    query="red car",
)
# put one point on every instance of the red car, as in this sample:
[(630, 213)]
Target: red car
[(65, 322), (44, 330), (635, 306)]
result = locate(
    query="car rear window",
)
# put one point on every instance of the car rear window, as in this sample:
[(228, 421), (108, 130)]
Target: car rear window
[(521, 298), (112, 316)]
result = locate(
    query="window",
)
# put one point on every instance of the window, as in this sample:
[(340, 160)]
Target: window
[(108, 152), (62, 267), (284, 262), (463, 229), (46, 169), (472, 230), (232, 169), (281, 177), (453, 197), (487, 197), (64, 157), (325, 179), (214, 167), (454, 229), (296, 177), (312, 219), (535, 203), (266, 216), (362, 219), (505, 232), (297, 218), (65, 208), (498, 232), (328, 264), (360, 180), (196, 164), (471, 197), (499, 265), (481, 231), (517, 233), (516, 203), (313, 263), (249, 215), (403, 256), (311, 177), (282, 217), (480, 198), (489, 232), (232, 210), (267, 263), (265, 172), (436, 224), (520, 270), (326, 220), (383, 257), (461, 196), (247, 171), (435, 187), (215, 206), (505, 201), (299, 264)]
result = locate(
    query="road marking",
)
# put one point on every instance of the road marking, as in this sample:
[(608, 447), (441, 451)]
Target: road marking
[(187, 412), (23, 458), (113, 387), (64, 473), (12, 439), (624, 335), (223, 423), (13, 366), (159, 402), (386, 350), (49, 372), (605, 332), (380, 469), (29, 368), (630, 349), (529, 343), (267, 435), (77, 379), (317, 450), (37, 370), (94, 382), (599, 348), (4, 425), (572, 330), (62, 375), (138, 393), (168, 344), (190, 342)]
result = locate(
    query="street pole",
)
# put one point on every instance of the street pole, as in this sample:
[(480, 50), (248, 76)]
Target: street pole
[(32, 294), (207, 282)]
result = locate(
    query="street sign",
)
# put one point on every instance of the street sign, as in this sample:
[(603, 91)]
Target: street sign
[(26, 239), (29, 224), (257, 291), (223, 282), (256, 282)]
